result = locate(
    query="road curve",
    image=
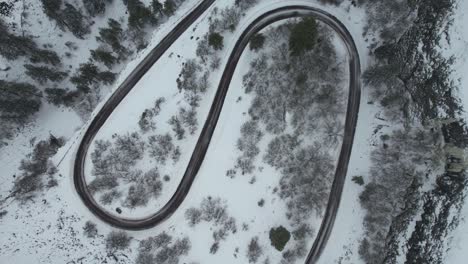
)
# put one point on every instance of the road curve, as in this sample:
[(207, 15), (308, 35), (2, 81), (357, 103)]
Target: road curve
[(205, 137)]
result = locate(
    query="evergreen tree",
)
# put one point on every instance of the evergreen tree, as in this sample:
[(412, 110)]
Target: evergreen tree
[(12, 47), (18, 101), (44, 56), (75, 21), (67, 18), (139, 14), (95, 7), (88, 75), (104, 56), (113, 36), (52, 7), (216, 41), (257, 41), (303, 36), (43, 74), (157, 7), (58, 96), (169, 7)]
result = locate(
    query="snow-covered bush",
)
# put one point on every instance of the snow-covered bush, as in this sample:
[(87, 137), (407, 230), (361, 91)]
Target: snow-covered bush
[(162, 249), (90, 229), (117, 240), (161, 147), (34, 169), (177, 127), (213, 210), (110, 196), (254, 250)]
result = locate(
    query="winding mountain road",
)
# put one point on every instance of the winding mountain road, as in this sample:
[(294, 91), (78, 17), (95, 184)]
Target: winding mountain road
[(203, 142)]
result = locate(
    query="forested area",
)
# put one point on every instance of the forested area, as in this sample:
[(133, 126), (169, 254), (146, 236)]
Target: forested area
[(117, 176), (51, 76), (116, 161), (411, 80), (297, 84)]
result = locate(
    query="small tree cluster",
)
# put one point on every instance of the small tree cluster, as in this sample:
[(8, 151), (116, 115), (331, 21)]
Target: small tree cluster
[(95, 7), (18, 101), (162, 148), (303, 36), (190, 78), (216, 40), (89, 75), (227, 19), (113, 36), (257, 41), (117, 240), (139, 15), (245, 4), (213, 210), (146, 187), (90, 229), (67, 17), (111, 162), (279, 237), (13, 47), (147, 122), (109, 197), (254, 250), (248, 145), (162, 249), (33, 169), (42, 74), (177, 127), (59, 96), (104, 56)]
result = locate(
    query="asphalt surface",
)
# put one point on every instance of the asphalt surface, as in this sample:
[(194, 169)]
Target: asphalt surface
[(203, 142)]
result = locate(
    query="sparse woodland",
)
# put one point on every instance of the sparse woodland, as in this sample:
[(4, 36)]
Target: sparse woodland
[(411, 80), (298, 89), (50, 79)]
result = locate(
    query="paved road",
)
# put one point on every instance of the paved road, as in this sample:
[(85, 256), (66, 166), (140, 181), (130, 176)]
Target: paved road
[(201, 147)]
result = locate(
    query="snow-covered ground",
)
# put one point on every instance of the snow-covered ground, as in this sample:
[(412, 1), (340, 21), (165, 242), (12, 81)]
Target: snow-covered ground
[(458, 244), (49, 228), (59, 215), (241, 196)]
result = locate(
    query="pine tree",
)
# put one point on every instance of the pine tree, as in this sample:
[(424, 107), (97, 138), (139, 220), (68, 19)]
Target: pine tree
[(59, 96), (169, 7), (18, 101), (139, 15), (216, 41), (67, 18), (104, 56), (12, 47), (257, 41), (95, 7), (113, 36), (303, 36), (43, 74), (88, 75), (157, 7)]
